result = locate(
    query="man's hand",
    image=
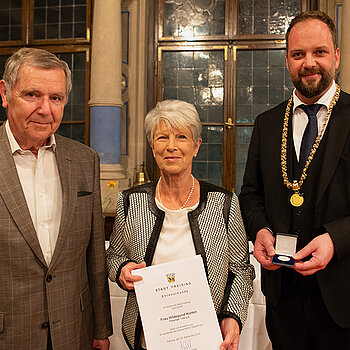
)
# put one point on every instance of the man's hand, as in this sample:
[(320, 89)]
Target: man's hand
[(102, 344), (322, 250), (126, 278), (230, 332), (264, 249)]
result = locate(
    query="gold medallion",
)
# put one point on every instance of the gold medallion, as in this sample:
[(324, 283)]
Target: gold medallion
[(296, 200)]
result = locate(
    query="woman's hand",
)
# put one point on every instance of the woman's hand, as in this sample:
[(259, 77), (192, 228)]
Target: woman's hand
[(102, 344), (230, 332), (126, 278)]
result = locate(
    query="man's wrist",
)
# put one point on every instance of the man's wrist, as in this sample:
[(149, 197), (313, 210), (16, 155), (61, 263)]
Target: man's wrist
[(268, 229)]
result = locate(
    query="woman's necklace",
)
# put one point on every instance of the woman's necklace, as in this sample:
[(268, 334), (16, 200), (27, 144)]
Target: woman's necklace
[(186, 201), (297, 198)]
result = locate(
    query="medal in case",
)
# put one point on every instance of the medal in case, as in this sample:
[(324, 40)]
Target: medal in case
[(285, 248)]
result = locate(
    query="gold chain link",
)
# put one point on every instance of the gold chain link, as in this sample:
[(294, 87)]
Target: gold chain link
[(295, 186)]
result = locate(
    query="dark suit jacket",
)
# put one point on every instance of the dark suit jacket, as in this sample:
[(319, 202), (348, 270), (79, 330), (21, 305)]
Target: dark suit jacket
[(72, 293), (265, 202)]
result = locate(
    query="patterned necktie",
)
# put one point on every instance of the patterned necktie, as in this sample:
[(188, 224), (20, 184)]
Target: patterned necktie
[(310, 133)]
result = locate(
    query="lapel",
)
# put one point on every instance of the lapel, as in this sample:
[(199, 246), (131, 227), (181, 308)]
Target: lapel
[(68, 176), (13, 196), (338, 131)]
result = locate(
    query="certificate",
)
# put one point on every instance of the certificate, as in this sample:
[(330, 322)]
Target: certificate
[(176, 308)]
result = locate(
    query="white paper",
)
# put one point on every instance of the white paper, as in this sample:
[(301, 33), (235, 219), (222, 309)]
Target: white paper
[(176, 308)]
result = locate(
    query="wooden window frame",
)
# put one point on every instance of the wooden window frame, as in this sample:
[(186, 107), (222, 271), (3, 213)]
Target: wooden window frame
[(28, 27), (158, 43)]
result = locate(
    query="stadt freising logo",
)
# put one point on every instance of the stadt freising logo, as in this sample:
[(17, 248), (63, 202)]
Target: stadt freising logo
[(171, 277)]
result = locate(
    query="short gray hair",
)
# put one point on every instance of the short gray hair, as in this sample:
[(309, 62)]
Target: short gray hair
[(175, 114), (34, 58)]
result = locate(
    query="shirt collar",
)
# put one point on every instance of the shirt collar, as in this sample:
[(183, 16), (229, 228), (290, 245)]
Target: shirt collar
[(324, 99), (15, 146)]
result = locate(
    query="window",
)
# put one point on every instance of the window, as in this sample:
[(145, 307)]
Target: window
[(228, 59)]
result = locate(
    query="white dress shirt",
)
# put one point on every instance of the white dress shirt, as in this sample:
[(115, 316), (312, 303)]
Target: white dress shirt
[(300, 118), (42, 190)]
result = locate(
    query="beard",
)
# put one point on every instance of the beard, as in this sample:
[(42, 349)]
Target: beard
[(313, 88)]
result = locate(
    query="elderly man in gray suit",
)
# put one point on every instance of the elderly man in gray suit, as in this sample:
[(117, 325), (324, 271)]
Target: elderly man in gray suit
[(53, 285)]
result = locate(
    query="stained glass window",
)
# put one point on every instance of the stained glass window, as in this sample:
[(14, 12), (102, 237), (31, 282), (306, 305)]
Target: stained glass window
[(59, 19), (10, 20), (74, 112), (183, 18), (255, 75), (262, 82), (266, 16), (198, 77), (243, 136)]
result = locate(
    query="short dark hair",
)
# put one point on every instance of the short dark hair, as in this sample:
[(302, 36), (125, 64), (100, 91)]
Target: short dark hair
[(321, 16)]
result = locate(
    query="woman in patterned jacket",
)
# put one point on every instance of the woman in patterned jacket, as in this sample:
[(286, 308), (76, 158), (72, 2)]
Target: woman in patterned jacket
[(177, 218)]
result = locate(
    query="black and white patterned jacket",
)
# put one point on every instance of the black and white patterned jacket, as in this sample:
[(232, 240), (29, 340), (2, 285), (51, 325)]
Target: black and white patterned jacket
[(218, 234)]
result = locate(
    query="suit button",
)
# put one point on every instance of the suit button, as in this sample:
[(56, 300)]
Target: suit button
[(298, 212), (298, 231), (48, 278), (45, 325)]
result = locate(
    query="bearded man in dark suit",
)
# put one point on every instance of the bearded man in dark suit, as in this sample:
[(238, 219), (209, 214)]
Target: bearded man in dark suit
[(53, 281), (296, 189)]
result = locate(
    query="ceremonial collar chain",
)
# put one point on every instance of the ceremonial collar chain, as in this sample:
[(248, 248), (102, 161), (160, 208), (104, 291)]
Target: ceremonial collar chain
[(186, 201), (297, 198)]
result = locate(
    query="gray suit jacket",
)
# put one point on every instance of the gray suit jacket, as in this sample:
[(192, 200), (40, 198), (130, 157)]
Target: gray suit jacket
[(71, 295)]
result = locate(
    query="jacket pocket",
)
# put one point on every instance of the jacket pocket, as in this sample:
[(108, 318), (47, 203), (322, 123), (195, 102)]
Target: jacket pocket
[(2, 321), (83, 193), (85, 299)]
